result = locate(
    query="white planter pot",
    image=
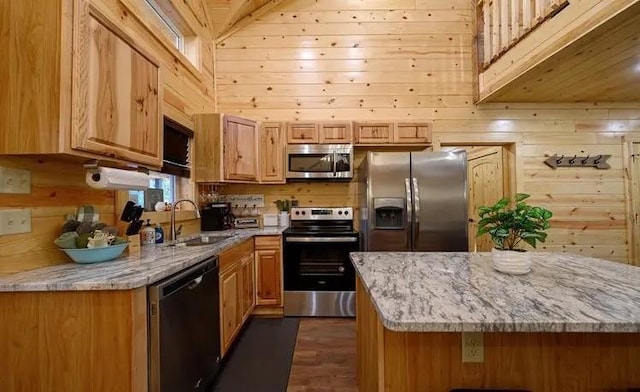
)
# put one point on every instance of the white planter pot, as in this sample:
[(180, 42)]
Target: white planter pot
[(283, 219), (511, 261)]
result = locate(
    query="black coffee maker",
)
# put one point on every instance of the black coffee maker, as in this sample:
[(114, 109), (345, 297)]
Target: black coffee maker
[(216, 217)]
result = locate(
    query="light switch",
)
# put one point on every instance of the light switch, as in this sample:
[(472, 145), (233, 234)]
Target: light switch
[(16, 181), (15, 221)]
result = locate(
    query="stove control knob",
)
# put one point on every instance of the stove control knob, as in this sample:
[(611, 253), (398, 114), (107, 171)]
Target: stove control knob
[(304, 213), (297, 212), (339, 212), (346, 212)]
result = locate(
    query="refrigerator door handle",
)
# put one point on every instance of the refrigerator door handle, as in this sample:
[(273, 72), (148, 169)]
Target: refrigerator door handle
[(416, 203), (408, 223)]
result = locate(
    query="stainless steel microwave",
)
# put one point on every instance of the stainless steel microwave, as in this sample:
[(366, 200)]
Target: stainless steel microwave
[(328, 161)]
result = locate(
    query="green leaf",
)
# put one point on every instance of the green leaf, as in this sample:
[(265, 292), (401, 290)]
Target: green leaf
[(521, 196)]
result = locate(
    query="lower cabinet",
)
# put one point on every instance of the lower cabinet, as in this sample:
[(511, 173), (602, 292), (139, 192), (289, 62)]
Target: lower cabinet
[(250, 283), (237, 291), (268, 259)]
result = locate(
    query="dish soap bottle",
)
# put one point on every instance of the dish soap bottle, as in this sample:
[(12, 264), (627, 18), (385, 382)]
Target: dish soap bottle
[(148, 234), (159, 234)]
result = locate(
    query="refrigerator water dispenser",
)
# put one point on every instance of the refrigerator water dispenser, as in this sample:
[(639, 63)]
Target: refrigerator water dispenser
[(389, 213)]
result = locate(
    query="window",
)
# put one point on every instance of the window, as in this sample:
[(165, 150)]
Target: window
[(157, 182), (173, 27)]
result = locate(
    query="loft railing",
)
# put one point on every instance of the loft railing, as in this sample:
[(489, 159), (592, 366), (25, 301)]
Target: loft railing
[(504, 23)]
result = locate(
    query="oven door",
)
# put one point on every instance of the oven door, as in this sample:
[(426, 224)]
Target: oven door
[(319, 263)]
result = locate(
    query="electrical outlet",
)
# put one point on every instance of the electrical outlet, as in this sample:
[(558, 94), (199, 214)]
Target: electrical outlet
[(15, 221), (15, 181), (472, 347)]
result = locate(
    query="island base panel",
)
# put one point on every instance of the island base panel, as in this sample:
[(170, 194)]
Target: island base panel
[(542, 362)]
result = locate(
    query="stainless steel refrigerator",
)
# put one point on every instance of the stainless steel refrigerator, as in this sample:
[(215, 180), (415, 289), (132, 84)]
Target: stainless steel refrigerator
[(414, 201)]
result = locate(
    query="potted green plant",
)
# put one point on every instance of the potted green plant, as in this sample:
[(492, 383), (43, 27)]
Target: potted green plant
[(283, 206), (511, 224)]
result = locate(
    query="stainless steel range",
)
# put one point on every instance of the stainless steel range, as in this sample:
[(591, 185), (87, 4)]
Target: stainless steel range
[(319, 279)]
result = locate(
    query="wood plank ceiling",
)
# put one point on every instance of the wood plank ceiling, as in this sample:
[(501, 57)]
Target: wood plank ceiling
[(229, 15), (602, 66)]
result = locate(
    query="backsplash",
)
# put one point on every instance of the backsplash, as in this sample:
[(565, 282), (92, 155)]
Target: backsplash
[(58, 188)]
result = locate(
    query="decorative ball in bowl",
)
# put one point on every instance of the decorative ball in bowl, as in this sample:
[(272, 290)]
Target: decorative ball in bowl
[(95, 255)]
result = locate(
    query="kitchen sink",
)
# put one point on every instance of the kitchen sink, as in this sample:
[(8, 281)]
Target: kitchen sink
[(201, 241)]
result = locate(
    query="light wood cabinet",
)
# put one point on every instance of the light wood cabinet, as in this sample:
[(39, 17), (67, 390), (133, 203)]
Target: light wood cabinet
[(240, 149), (336, 133), (229, 308), (237, 291), (412, 133), (387, 133), (302, 133), (87, 91), (226, 149), (268, 272), (373, 133), (268, 261), (272, 153)]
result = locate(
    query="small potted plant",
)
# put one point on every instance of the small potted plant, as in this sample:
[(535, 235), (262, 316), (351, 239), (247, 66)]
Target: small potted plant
[(283, 206), (510, 224)]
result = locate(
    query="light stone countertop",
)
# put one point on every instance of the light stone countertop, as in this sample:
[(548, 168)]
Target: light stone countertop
[(127, 272), (440, 292)]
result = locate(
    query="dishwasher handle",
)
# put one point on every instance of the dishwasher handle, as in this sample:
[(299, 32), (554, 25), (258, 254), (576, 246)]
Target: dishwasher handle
[(194, 283), (189, 278)]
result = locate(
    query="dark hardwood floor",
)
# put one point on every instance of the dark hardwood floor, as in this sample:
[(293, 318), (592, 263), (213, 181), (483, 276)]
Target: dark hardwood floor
[(325, 356)]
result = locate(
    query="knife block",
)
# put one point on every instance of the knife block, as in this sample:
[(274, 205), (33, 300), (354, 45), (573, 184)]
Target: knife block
[(134, 244)]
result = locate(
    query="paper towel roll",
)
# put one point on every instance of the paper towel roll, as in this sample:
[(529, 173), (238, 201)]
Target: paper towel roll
[(109, 178)]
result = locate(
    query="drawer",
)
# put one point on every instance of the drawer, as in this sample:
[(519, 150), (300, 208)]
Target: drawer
[(268, 242), (233, 257)]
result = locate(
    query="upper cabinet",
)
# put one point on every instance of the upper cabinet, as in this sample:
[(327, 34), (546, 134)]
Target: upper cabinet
[(410, 133), (226, 149), (336, 133), (86, 90), (271, 152), (115, 95), (319, 132), (386, 133), (373, 133), (302, 133), (240, 149)]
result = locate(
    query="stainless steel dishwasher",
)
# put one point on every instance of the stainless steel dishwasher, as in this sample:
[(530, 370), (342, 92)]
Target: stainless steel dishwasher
[(184, 329)]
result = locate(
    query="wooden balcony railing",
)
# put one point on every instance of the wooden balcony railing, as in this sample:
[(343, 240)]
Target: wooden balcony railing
[(503, 23)]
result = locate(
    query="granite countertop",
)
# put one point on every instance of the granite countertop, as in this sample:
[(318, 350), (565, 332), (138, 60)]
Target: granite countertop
[(439, 292), (127, 272)]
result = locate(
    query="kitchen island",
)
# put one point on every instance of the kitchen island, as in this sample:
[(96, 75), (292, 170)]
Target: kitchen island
[(572, 324)]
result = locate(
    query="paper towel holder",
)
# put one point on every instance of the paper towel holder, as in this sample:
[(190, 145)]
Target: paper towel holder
[(94, 172), (95, 165)]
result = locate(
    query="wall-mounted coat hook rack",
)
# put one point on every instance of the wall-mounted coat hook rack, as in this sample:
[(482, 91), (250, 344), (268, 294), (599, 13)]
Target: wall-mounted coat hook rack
[(599, 162)]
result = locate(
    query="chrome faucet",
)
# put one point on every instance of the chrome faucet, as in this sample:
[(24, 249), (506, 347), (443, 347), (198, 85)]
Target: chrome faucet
[(173, 236)]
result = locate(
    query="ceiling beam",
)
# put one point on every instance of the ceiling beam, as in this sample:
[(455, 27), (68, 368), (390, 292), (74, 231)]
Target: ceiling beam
[(248, 19)]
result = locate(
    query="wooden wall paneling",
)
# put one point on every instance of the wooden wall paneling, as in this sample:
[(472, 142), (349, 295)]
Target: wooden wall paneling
[(52, 197), (281, 74)]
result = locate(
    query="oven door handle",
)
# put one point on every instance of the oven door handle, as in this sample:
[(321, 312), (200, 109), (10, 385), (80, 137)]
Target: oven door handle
[(321, 239)]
